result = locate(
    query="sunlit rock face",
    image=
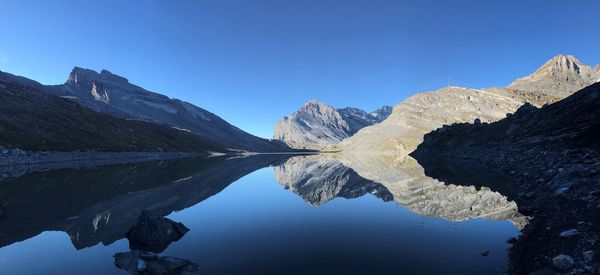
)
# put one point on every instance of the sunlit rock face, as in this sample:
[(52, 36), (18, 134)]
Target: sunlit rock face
[(559, 77), (319, 126), (403, 130), (320, 178)]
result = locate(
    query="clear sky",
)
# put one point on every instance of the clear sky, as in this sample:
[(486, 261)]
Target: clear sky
[(252, 62)]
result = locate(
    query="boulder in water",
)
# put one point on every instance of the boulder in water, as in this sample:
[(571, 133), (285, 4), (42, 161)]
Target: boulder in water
[(138, 262), (154, 233)]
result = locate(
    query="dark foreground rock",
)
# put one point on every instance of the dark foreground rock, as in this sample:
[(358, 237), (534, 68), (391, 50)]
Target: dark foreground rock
[(551, 156), (154, 233), (146, 263)]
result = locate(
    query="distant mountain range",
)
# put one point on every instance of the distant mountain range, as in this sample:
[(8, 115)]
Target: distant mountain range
[(403, 130), (113, 95), (318, 126), (113, 114)]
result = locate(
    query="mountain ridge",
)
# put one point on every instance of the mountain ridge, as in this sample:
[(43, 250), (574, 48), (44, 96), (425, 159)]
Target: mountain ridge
[(34, 120), (108, 93), (419, 114), (317, 125)]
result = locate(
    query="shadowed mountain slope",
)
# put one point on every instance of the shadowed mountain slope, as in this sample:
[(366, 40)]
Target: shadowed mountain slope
[(112, 94), (33, 120)]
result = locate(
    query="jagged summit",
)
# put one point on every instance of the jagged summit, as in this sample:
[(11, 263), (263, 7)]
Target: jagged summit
[(79, 74), (560, 65), (562, 75), (314, 102), (317, 125), (113, 77)]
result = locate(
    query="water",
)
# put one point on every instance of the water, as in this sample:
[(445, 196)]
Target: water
[(260, 215)]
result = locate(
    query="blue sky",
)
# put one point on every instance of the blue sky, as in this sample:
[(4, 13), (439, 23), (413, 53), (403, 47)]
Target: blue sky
[(252, 62)]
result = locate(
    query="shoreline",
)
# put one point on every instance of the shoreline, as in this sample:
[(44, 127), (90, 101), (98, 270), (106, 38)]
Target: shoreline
[(17, 162), (559, 194)]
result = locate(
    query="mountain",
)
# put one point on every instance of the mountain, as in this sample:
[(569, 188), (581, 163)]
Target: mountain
[(318, 126), (403, 130), (108, 93), (568, 124), (552, 156), (34, 120), (559, 77)]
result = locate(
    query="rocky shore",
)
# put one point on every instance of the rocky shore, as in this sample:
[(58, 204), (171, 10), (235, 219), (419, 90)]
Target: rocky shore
[(16, 162), (551, 156)]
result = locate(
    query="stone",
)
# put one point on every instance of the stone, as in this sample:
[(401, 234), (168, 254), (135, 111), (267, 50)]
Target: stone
[(512, 240), (568, 233), (588, 256), (138, 262), (561, 191), (154, 233), (563, 262)]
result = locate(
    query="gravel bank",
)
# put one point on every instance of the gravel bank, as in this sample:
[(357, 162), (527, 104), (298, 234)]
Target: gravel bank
[(16, 162)]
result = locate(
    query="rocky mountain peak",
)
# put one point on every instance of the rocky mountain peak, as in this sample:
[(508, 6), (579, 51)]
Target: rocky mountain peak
[(561, 63), (565, 68), (113, 77), (317, 125), (79, 76), (558, 78), (382, 113), (314, 104)]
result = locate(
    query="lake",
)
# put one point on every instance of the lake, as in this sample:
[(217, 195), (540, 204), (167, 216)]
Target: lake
[(264, 214)]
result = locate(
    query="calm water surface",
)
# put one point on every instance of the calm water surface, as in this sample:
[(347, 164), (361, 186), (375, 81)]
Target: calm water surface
[(260, 215)]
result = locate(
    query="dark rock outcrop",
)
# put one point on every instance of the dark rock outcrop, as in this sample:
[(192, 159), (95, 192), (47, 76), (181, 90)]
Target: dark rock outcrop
[(146, 263), (552, 156), (154, 233)]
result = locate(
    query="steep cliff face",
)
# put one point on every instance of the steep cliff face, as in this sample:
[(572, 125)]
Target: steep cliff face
[(403, 130), (318, 126), (109, 93)]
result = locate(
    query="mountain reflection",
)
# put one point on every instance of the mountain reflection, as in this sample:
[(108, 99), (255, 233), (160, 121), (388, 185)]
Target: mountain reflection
[(323, 177), (101, 204)]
